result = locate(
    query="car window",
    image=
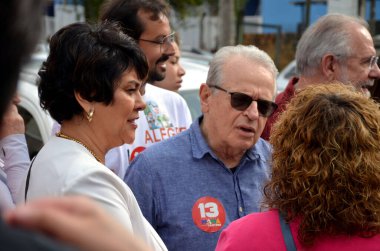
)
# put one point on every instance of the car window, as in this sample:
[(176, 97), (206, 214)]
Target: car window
[(291, 73), (32, 132), (33, 65)]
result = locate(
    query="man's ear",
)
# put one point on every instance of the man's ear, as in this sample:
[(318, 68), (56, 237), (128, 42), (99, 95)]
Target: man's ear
[(204, 94), (330, 66), (85, 104)]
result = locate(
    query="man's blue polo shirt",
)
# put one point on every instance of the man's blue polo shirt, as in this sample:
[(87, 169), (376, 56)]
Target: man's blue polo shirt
[(188, 195)]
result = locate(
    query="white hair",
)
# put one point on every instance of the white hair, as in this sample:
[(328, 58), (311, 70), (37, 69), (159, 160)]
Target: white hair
[(250, 52), (330, 34)]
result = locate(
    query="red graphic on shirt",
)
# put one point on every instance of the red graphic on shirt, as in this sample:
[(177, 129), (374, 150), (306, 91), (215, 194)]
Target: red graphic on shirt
[(135, 152), (157, 135), (208, 214)]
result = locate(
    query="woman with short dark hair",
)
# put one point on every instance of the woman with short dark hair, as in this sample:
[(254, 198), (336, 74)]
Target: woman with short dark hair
[(92, 84)]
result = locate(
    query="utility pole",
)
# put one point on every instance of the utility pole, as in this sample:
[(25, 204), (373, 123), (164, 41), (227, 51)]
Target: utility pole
[(307, 14), (226, 23), (361, 9), (201, 30), (372, 17), (305, 11)]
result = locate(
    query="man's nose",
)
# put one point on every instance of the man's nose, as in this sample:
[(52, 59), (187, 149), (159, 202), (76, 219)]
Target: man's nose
[(139, 102), (181, 70), (375, 72), (252, 112)]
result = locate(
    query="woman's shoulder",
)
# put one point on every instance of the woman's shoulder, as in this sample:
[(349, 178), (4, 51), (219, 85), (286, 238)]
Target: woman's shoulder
[(69, 162), (256, 231), (63, 152), (267, 220)]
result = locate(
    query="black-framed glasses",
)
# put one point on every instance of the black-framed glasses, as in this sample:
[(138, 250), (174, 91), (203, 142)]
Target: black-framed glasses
[(164, 42), (241, 102)]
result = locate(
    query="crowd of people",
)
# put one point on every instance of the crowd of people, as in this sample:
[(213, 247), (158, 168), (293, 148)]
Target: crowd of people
[(300, 170)]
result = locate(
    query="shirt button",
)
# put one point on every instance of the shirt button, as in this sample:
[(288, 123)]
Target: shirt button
[(240, 209)]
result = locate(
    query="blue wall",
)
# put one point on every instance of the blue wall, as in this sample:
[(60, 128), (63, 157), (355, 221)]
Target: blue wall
[(281, 12), (288, 15)]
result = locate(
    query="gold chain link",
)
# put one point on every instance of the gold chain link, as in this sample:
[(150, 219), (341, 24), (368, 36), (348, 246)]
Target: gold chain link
[(64, 136)]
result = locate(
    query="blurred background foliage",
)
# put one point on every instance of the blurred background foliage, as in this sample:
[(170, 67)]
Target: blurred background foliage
[(181, 7)]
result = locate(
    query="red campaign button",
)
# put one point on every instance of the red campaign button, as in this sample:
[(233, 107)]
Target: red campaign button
[(208, 214), (135, 152)]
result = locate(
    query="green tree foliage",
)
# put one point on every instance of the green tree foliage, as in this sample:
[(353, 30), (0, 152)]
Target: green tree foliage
[(181, 7), (239, 12), (92, 8)]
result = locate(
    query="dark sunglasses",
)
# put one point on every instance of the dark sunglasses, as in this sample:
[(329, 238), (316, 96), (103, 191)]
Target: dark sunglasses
[(241, 102)]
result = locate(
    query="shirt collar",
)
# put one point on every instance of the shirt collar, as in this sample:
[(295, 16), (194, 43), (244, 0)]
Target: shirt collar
[(200, 147)]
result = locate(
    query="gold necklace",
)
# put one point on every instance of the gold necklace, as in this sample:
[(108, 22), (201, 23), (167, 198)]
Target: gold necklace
[(64, 136)]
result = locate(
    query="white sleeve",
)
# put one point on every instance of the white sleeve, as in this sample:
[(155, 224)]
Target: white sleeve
[(16, 163), (118, 200), (186, 111), (179, 110), (102, 188)]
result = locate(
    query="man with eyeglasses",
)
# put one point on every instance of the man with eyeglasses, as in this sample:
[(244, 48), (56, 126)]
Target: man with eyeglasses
[(147, 22), (336, 47), (193, 185)]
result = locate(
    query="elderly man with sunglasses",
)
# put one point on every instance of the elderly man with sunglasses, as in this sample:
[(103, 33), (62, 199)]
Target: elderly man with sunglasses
[(336, 47), (191, 186)]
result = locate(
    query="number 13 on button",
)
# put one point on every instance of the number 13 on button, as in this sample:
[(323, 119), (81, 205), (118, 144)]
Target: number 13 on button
[(208, 214)]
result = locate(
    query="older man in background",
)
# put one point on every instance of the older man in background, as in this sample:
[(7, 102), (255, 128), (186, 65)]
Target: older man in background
[(336, 47), (193, 185)]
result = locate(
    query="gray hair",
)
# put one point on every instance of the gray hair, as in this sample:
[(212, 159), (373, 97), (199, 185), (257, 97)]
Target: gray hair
[(250, 52), (330, 34)]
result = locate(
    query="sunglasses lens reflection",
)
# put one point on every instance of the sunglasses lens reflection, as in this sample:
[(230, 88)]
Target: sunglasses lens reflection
[(241, 102), (265, 107)]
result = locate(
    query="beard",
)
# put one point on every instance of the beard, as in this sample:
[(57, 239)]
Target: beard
[(363, 86), (155, 74), (360, 86)]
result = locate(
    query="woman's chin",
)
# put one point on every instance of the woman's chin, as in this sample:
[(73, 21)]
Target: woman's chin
[(129, 140), (123, 141)]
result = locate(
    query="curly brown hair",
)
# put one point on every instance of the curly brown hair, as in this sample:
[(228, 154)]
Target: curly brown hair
[(326, 163)]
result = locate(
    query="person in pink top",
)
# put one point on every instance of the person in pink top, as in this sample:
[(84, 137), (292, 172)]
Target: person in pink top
[(325, 177)]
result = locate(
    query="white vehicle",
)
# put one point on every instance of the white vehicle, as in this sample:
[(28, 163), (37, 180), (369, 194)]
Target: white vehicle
[(38, 124), (30, 69), (203, 59), (196, 74), (285, 75)]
